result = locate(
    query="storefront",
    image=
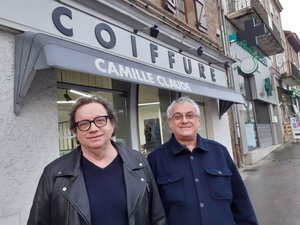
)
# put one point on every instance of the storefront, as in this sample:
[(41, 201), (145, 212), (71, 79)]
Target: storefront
[(258, 116), (66, 53), (149, 114), (136, 73)]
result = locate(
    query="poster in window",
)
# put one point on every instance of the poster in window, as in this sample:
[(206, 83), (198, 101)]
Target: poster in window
[(152, 133)]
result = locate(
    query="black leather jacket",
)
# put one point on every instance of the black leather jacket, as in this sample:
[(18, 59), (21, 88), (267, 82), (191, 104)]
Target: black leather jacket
[(61, 197)]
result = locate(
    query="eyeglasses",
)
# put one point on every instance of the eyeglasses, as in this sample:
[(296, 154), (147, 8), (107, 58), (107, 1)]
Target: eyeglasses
[(99, 121), (179, 117)]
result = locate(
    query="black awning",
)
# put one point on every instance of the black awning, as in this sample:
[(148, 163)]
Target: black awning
[(224, 106)]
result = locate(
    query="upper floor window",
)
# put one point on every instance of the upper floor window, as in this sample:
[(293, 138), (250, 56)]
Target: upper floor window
[(201, 15), (181, 10), (177, 7)]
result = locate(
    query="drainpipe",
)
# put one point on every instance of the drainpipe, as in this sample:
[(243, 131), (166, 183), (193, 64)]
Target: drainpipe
[(234, 108)]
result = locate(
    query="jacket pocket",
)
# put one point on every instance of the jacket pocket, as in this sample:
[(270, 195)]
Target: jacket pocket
[(220, 183), (171, 188)]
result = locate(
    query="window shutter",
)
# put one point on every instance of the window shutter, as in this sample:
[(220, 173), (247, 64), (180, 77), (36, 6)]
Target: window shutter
[(171, 6), (201, 16)]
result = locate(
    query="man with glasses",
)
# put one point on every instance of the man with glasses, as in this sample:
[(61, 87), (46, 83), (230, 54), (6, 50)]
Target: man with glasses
[(197, 179), (99, 182)]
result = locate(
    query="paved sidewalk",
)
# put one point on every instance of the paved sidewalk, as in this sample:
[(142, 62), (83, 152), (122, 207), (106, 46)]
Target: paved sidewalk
[(274, 186)]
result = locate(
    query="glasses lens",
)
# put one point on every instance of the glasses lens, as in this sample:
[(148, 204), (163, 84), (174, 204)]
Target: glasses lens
[(100, 121), (190, 116), (84, 125), (179, 117)]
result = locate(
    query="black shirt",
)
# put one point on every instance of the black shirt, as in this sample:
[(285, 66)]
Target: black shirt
[(106, 191)]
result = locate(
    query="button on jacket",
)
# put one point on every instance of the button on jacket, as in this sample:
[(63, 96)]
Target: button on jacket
[(202, 187), (61, 197)]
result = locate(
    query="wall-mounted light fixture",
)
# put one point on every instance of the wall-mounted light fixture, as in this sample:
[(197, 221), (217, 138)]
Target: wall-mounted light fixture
[(199, 51), (153, 30), (67, 96), (226, 64)]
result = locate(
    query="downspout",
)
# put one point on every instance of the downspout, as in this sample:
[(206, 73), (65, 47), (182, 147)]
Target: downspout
[(230, 82)]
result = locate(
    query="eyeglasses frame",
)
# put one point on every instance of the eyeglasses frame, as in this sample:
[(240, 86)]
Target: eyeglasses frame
[(93, 121), (183, 116)]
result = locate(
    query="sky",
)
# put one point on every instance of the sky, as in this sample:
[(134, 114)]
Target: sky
[(290, 16)]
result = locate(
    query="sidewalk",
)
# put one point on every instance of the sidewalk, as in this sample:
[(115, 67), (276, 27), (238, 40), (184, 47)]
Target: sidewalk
[(246, 168), (274, 186)]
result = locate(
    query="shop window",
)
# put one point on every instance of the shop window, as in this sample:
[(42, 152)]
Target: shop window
[(67, 141), (152, 117), (248, 113)]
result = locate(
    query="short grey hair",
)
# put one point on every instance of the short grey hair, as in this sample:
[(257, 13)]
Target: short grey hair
[(182, 100)]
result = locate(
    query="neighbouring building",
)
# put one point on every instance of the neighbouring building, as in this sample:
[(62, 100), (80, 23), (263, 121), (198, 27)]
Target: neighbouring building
[(254, 36), (286, 68)]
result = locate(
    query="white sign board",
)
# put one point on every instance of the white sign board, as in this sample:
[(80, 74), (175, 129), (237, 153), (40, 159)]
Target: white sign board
[(295, 125)]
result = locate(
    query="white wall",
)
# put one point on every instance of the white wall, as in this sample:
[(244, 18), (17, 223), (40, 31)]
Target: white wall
[(28, 141), (218, 129)]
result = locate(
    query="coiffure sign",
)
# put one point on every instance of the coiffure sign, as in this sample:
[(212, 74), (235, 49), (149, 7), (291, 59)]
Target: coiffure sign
[(120, 42)]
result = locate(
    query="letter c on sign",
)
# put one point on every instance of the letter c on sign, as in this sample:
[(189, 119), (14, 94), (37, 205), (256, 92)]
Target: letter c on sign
[(98, 63), (56, 14), (106, 44)]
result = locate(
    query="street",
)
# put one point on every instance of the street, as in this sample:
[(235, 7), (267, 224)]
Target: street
[(274, 186)]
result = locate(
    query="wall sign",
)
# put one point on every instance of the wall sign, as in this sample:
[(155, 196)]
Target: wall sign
[(251, 32), (249, 65), (115, 40)]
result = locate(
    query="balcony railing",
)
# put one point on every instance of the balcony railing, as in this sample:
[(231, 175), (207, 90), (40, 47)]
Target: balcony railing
[(237, 5)]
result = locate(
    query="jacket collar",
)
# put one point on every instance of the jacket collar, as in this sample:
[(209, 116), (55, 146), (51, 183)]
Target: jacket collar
[(77, 194), (71, 165), (177, 147), (130, 162)]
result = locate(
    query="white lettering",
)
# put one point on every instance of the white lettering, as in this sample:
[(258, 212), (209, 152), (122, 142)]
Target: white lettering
[(112, 69), (160, 80), (125, 71), (174, 84), (98, 63)]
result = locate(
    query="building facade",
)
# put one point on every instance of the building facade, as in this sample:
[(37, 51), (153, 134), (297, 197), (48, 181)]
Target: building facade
[(254, 36), (286, 69), (138, 54)]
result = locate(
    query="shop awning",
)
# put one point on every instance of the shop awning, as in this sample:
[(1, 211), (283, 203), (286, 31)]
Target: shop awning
[(36, 51), (293, 94)]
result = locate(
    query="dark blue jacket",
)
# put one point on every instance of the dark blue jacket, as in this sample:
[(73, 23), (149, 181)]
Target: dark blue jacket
[(202, 187)]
